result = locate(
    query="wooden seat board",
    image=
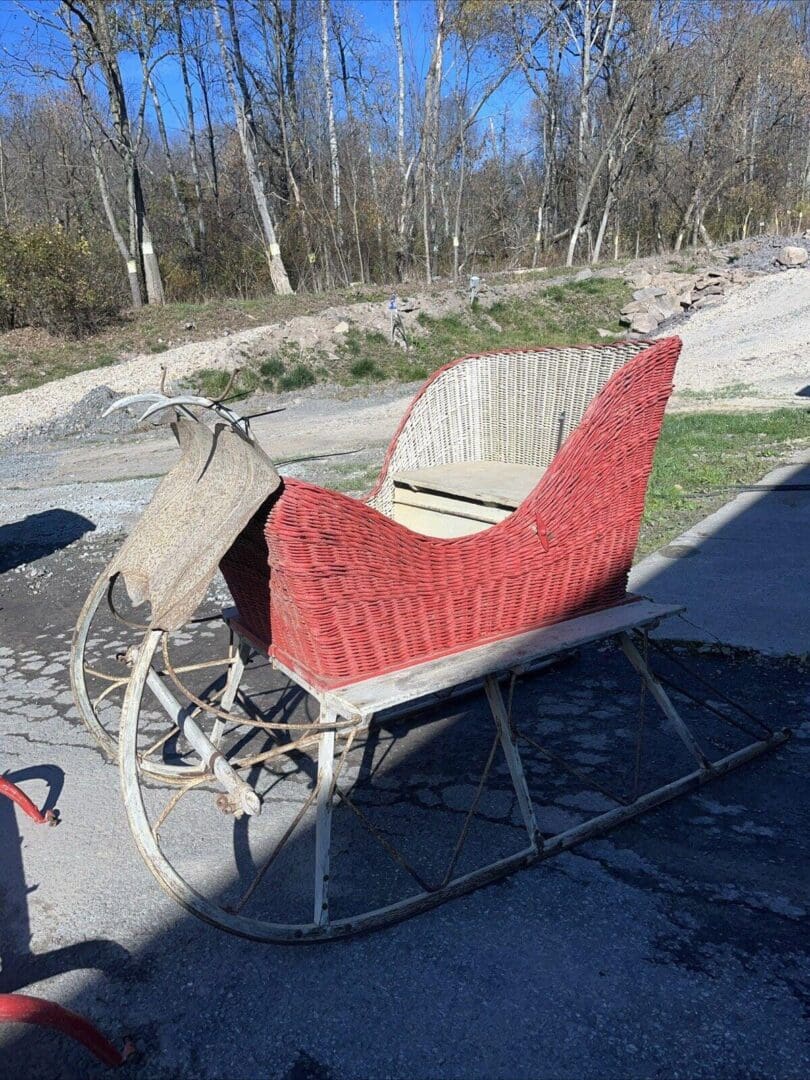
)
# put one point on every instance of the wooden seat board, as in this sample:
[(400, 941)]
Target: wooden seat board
[(488, 483)]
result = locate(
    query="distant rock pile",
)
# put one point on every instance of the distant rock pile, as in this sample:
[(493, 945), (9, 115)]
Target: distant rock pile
[(663, 295), (771, 254), (660, 294)]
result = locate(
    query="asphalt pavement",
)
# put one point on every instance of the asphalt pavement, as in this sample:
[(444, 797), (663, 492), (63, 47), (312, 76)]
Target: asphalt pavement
[(674, 947)]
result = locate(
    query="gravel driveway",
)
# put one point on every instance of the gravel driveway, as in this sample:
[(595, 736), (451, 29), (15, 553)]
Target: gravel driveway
[(759, 337)]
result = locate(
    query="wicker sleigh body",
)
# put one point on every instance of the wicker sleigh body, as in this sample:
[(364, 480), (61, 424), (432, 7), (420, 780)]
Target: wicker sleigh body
[(374, 620), (337, 591)]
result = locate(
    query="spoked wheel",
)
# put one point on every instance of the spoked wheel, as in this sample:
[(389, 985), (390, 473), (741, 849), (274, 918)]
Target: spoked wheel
[(102, 655), (266, 803), (185, 840)]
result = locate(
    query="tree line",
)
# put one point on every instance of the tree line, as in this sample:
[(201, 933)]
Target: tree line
[(225, 147)]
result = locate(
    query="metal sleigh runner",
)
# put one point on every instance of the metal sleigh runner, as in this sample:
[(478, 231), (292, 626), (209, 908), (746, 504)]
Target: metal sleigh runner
[(498, 537)]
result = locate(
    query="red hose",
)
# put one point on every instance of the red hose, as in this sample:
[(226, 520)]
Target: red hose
[(11, 791), (22, 1009)]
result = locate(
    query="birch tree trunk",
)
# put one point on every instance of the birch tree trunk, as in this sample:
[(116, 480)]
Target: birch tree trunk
[(234, 72), (194, 156), (405, 170), (334, 161), (430, 141)]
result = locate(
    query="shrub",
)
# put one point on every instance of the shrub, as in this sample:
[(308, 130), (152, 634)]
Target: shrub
[(270, 371), (366, 369), (54, 282), (213, 382), (207, 382), (299, 377), (272, 367)]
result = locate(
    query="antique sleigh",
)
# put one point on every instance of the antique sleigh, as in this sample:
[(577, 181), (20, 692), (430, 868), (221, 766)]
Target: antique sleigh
[(499, 535)]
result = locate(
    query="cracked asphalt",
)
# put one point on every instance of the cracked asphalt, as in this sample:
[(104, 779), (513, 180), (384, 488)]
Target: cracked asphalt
[(674, 947)]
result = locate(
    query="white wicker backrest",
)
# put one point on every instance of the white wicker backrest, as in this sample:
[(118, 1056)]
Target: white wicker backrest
[(510, 406)]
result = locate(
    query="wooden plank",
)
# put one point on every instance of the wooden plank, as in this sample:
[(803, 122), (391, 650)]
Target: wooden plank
[(365, 698), (512, 755), (442, 504), (490, 483), (441, 524), (661, 696)]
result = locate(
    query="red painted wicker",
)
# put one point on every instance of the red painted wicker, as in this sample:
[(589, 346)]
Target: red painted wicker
[(354, 594)]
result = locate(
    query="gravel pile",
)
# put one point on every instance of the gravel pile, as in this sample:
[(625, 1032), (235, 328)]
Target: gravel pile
[(84, 420), (36, 409), (757, 340)]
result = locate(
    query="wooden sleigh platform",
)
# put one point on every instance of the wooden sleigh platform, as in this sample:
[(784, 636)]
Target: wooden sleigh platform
[(353, 708)]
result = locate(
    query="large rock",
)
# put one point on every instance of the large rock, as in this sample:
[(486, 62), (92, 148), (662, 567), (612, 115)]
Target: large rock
[(584, 275), (641, 278), (666, 306), (711, 283), (644, 323), (792, 256), (650, 292), (633, 307)]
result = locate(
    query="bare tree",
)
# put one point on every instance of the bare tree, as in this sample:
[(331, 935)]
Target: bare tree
[(234, 69), (334, 160), (90, 25), (430, 140)]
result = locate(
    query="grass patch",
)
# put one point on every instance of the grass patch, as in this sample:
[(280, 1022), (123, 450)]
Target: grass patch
[(352, 477), (208, 382), (297, 378), (286, 369), (366, 369), (733, 390), (30, 357), (272, 368), (212, 382), (561, 314), (703, 457)]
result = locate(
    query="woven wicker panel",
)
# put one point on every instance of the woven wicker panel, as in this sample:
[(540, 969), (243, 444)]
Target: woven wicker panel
[(355, 594), (502, 406)]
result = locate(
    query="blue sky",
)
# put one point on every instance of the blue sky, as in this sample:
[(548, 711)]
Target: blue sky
[(18, 32)]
